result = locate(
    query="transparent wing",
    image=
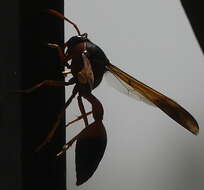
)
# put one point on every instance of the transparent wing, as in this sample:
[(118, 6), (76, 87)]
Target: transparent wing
[(170, 107), (124, 88)]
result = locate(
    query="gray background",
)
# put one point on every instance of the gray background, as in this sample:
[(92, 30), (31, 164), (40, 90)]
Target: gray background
[(152, 41)]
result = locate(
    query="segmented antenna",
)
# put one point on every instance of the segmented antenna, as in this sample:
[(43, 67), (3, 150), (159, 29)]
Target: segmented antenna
[(61, 16)]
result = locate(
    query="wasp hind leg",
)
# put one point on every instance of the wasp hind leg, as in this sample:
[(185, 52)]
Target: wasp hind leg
[(58, 121), (82, 109), (97, 111), (78, 118)]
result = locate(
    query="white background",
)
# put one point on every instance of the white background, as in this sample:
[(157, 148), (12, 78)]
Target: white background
[(152, 41)]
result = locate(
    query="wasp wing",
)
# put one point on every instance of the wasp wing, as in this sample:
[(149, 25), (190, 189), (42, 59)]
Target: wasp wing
[(122, 87), (167, 105)]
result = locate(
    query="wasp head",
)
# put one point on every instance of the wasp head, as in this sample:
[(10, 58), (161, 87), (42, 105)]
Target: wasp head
[(75, 40)]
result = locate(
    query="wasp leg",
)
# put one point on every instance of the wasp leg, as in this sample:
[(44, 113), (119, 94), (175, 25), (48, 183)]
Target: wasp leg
[(59, 119), (78, 118), (82, 109), (46, 83), (60, 52), (84, 132), (67, 145), (97, 110), (65, 73), (97, 107)]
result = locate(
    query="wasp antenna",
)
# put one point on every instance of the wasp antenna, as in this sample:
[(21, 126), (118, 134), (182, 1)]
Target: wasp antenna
[(60, 15)]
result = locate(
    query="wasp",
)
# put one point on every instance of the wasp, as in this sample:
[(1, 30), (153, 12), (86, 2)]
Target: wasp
[(88, 66)]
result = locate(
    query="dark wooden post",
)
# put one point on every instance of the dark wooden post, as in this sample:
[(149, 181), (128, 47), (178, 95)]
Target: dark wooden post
[(25, 120)]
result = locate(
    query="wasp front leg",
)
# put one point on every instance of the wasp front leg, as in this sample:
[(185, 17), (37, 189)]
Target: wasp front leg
[(61, 53)]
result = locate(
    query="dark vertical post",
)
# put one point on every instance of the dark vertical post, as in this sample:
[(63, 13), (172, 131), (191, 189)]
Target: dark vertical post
[(194, 12), (10, 107), (26, 119)]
